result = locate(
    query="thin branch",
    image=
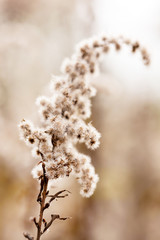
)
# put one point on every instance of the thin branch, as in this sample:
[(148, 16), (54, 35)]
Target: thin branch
[(57, 195), (53, 218), (35, 222)]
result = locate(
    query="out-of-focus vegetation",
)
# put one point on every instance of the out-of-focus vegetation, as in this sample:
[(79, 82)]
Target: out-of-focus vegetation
[(35, 37)]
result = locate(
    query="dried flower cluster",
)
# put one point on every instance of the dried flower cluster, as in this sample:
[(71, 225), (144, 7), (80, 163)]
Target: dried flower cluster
[(64, 113)]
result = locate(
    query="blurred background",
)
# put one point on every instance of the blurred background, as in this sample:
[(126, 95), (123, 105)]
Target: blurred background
[(35, 37)]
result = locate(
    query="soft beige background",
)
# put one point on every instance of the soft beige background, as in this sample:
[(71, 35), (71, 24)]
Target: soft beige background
[(35, 37)]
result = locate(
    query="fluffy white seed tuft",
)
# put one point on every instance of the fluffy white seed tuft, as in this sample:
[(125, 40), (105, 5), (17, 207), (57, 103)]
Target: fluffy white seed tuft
[(63, 115)]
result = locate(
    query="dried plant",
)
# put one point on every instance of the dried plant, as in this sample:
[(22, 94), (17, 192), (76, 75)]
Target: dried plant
[(63, 116)]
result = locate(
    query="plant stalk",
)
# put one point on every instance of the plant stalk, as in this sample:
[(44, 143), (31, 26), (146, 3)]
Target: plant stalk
[(42, 205)]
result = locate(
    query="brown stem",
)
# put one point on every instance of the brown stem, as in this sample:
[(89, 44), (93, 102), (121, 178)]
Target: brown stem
[(41, 199), (43, 195)]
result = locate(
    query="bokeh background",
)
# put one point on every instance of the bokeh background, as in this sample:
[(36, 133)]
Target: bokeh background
[(35, 37)]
